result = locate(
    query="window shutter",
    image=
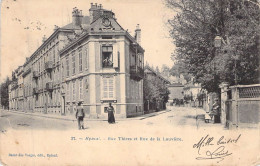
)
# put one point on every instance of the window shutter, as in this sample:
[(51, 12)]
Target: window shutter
[(105, 86), (111, 88), (115, 56), (87, 59), (101, 56)]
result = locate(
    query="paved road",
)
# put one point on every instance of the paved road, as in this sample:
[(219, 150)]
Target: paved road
[(178, 116)]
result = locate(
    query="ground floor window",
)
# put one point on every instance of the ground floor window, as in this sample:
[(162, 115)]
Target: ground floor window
[(108, 87)]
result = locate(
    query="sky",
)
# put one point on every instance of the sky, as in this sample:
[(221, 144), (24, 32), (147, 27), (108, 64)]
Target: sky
[(25, 22)]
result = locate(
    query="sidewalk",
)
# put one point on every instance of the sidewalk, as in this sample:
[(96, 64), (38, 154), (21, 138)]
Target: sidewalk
[(72, 118)]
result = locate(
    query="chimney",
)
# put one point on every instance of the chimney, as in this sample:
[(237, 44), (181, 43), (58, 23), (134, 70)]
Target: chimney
[(44, 39), (138, 34), (95, 12), (55, 27), (77, 17), (92, 12)]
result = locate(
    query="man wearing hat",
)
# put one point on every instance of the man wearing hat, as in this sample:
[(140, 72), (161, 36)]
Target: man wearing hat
[(80, 116)]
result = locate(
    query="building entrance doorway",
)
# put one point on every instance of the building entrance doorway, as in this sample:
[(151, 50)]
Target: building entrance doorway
[(63, 112)]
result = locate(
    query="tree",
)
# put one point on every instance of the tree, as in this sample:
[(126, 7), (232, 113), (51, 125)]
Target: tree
[(194, 29), (155, 89), (165, 71), (179, 69), (4, 93)]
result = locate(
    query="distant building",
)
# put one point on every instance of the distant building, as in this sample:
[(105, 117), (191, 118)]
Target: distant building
[(177, 79), (151, 106), (151, 73), (16, 90), (176, 92), (91, 60), (192, 90)]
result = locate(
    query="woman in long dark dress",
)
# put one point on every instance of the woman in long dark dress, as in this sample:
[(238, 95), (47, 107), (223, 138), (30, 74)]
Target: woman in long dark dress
[(111, 117)]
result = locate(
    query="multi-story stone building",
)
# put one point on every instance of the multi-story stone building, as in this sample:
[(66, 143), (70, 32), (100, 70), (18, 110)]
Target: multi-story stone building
[(150, 75), (16, 90), (92, 60)]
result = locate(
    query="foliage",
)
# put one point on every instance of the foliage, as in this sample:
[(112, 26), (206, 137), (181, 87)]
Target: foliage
[(165, 71), (155, 89), (4, 93), (179, 69), (201, 96), (194, 29)]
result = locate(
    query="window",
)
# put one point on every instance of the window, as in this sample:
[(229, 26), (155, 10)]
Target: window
[(140, 60), (106, 37), (68, 67), (68, 91), (73, 63), (86, 58), (80, 89), (108, 87), (80, 61), (53, 54), (54, 97), (54, 77), (107, 58), (74, 91), (86, 84)]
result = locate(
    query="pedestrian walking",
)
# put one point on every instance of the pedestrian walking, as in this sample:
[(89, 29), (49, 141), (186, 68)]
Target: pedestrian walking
[(80, 116), (110, 111)]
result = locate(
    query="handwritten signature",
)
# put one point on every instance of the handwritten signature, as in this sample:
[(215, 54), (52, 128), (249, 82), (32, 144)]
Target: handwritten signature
[(219, 153)]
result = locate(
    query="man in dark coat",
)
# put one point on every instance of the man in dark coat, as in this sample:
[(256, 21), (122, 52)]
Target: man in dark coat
[(80, 116)]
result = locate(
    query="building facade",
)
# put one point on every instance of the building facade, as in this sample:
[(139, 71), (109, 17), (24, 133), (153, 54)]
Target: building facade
[(176, 92), (92, 60), (151, 104)]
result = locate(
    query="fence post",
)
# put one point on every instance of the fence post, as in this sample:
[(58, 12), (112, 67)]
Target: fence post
[(224, 90)]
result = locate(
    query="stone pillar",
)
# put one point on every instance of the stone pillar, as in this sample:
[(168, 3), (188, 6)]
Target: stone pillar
[(224, 90)]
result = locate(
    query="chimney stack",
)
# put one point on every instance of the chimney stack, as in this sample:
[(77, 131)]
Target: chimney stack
[(92, 11), (44, 39), (77, 17), (95, 11), (138, 34), (55, 27)]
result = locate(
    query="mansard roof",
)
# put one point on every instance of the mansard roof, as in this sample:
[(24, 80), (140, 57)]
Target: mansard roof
[(97, 28), (85, 23)]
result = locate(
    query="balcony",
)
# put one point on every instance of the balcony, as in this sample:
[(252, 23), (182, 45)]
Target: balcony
[(136, 73), (35, 74), (36, 91), (14, 85), (49, 86), (48, 65)]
